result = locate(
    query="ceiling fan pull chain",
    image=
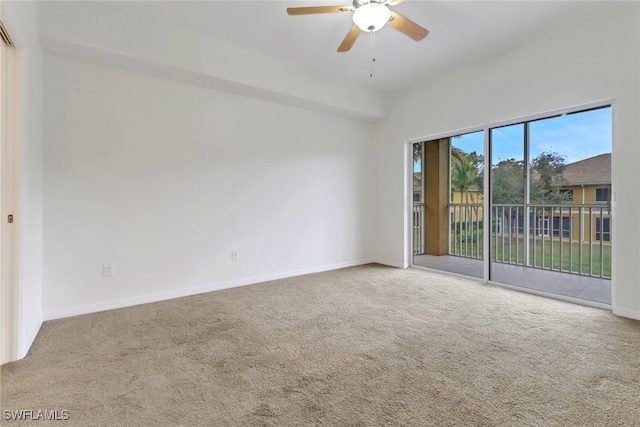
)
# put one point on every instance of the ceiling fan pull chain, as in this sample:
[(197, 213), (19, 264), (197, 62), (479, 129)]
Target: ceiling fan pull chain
[(373, 53)]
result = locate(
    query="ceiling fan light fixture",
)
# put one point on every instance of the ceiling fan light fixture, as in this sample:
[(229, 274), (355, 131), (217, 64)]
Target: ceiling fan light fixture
[(371, 16)]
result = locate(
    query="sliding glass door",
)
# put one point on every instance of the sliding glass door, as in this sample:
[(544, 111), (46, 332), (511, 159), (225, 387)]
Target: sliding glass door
[(509, 201), (550, 205), (545, 220), (448, 211)]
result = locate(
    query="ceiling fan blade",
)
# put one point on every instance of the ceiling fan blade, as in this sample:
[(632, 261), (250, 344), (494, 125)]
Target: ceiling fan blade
[(395, 2), (407, 27), (318, 9), (350, 39)]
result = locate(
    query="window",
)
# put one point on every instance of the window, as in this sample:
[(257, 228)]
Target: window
[(566, 226), (602, 195), (603, 229), (417, 197)]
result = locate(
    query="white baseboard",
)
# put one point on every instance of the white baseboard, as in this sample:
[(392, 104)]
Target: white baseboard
[(391, 263), (179, 293), (30, 338), (625, 312)]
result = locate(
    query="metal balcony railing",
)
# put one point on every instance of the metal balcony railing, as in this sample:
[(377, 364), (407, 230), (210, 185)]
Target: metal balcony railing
[(466, 229), (566, 238), (418, 232)]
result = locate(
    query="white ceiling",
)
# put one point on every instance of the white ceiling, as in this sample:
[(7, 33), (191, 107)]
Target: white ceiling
[(460, 30)]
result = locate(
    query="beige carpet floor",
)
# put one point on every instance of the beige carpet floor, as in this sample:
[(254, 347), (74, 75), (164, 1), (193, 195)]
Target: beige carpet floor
[(363, 346)]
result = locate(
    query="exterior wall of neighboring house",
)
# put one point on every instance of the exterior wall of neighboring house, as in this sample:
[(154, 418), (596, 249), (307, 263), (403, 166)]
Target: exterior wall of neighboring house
[(590, 194), (591, 201), (596, 212), (417, 187), (470, 196), (471, 213), (589, 181)]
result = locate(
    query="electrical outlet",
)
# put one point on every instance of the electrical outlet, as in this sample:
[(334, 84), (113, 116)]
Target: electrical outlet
[(234, 255), (107, 270)]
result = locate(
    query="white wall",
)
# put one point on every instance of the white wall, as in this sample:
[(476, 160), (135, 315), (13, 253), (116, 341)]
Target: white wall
[(90, 29), (21, 21), (165, 179), (593, 57)]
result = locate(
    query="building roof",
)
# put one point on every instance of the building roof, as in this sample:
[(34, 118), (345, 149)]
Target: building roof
[(594, 170)]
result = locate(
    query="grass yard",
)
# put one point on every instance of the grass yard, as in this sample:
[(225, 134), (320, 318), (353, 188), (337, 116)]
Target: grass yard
[(549, 253)]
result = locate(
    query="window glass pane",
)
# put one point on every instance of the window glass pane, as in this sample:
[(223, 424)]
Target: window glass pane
[(452, 168), (569, 156), (467, 168), (602, 194), (507, 164), (543, 217)]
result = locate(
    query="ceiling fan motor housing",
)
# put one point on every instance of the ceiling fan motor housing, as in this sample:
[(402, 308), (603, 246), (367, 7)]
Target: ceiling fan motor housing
[(371, 16), (358, 3)]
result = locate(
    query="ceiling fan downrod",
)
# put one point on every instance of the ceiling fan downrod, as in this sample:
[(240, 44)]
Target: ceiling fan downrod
[(373, 54)]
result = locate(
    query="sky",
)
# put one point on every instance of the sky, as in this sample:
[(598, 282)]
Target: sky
[(575, 136)]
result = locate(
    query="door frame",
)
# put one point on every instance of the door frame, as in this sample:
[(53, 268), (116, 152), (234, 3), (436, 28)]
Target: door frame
[(408, 191), (11, 322)]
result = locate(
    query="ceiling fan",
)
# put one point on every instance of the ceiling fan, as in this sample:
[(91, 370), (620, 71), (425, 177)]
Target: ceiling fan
[(368, 16)]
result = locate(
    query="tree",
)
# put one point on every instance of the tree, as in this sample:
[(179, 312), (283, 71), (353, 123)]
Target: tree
[(507, 182), (546, 178), (507, 187), (466, 171), (417, 152), (507, 178)]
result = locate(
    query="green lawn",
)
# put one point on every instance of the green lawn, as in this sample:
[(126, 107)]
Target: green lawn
[(513, 252)]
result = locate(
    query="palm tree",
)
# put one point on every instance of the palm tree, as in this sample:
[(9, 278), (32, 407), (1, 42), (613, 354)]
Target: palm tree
[(462, 178), (417, 152), (466, 171)]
